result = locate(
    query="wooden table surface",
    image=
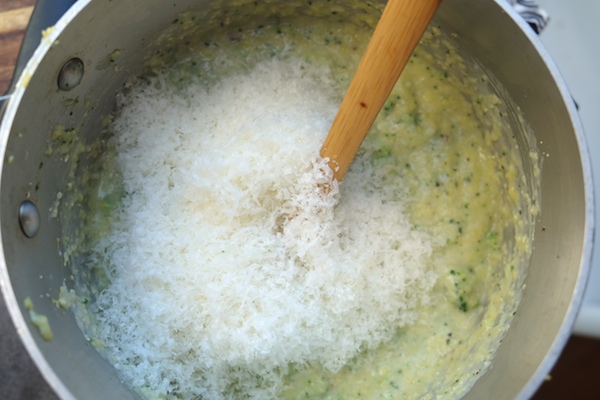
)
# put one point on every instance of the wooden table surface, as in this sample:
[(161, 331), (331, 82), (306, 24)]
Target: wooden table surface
[(14, 15), (573, 377)]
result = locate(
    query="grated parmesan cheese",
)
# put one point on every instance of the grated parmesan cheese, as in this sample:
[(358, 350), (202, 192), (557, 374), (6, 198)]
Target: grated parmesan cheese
[(227, 262)]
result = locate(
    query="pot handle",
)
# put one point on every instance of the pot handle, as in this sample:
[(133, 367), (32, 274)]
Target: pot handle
[(45, 14), (533, 14)]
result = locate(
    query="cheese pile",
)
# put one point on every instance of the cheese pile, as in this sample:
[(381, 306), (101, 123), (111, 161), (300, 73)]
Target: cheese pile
[(227, 260)]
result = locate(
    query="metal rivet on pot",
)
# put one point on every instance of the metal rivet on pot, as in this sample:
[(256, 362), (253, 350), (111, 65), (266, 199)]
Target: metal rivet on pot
[(70, 74), (29, 218)]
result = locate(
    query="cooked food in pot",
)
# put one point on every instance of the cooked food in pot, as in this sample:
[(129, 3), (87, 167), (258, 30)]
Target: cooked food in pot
[(217, 259)]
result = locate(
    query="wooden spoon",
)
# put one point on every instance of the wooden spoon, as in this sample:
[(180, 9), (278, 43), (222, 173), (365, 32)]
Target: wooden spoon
[(398, 31)]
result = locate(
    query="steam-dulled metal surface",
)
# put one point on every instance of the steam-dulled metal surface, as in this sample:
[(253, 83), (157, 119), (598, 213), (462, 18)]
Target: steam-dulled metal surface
[(72, 366)]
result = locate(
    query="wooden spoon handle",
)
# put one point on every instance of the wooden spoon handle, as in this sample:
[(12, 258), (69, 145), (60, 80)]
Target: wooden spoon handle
[(397, 34)]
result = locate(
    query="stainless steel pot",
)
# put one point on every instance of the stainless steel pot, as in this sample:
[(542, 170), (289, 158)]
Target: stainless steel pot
[(81, 95)]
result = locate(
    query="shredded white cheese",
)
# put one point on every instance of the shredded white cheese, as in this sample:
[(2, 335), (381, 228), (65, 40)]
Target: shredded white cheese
[(228, 261)]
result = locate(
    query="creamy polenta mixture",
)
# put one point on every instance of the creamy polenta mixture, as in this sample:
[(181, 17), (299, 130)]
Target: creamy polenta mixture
[(218, 267)]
